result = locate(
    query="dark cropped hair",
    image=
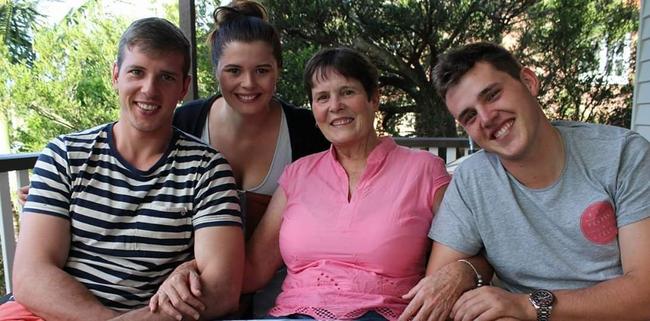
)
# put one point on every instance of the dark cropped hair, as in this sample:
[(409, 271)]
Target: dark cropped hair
[(245, 21), (345, 61), (455, 63), (155, 35)]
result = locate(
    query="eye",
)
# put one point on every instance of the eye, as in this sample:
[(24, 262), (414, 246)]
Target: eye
[(262, 71), (347, 92), (233, 70), (168, 77), (321, 98), (467, 117), (136, 72), (492, 95)]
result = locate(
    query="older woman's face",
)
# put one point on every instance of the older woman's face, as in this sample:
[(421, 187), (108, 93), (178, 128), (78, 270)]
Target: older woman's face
[(342, 109)]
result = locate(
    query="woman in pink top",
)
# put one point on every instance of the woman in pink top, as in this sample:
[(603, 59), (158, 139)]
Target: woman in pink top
[(350, 223)]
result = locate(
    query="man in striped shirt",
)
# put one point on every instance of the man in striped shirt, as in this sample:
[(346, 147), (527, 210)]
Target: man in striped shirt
[(113, 209)]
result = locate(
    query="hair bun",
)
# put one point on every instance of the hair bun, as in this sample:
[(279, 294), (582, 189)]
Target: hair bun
[(238, 9)]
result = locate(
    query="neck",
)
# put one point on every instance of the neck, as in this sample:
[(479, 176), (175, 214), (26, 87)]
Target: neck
[(354, 157), (543, 165), (245, 124), (141, 149)]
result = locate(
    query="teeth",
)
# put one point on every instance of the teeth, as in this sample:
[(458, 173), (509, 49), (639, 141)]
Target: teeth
[(147, 107), (247, 97), (503, 130), (341, 121)]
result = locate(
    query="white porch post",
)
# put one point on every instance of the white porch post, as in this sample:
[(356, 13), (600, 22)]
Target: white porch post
[(641, 100)]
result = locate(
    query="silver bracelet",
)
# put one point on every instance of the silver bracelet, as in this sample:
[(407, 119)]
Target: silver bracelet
[(479, 278)]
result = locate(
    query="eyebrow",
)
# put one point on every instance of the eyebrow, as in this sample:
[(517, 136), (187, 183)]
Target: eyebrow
[(487, 90), (481, 96)]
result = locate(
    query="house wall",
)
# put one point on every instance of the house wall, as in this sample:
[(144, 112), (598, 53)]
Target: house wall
[(641, 106)]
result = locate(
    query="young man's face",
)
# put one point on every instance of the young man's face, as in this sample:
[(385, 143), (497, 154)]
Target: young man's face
[(500, 113), (149, 86)]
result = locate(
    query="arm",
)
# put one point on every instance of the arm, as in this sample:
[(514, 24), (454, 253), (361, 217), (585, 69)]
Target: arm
[(627, 296), (40, 283), (181, 293), (263, 249), (219, 255), (446, 279)]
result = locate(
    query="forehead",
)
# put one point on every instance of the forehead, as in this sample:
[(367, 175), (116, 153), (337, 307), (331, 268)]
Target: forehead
[(329, 76), (247, 53), (465, 92), (144, 56)]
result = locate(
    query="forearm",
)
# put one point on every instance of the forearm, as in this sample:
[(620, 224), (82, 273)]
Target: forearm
[(54, 295), (220, 262), (465, 275), (143, 314), (623, 298), (220, 294), (257, 277)]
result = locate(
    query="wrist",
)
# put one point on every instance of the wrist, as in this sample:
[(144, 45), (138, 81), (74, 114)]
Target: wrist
[(528, 310), (471, 277)]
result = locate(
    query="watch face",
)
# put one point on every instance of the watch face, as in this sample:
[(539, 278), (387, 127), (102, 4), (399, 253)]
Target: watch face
[(543, 298)]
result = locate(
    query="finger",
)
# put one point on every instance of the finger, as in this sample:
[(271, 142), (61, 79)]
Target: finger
[(153, 303), (438, 314), (195, 283), (411, 309), (473, 310), (423, 313), (414, 290), (461, 303), (179, 304), (167, 308), (186, 296)]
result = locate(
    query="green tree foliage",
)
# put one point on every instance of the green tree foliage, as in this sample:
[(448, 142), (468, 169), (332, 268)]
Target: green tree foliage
[(563, 40), (404, 38), (67, 88), (18, 19)]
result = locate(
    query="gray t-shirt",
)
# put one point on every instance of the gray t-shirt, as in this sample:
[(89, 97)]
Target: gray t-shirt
[(560, 237)]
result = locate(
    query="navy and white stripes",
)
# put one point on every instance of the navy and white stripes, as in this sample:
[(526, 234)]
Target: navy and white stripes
[(130, 228)]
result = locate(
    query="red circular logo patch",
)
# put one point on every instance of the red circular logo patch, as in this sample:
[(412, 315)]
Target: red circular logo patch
[(598, 223)]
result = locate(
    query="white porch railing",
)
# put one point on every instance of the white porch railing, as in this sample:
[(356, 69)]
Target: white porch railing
[(14, 172)]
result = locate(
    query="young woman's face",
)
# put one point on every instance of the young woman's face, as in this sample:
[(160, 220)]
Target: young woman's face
[(247, 74)]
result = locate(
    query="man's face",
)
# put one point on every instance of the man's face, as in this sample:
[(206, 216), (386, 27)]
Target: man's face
[(500, 113), (149, 86)]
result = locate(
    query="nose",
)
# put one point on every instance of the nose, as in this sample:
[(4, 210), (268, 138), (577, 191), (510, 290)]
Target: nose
[(336, 104), (486, 116), (149, 86), (249, 80)]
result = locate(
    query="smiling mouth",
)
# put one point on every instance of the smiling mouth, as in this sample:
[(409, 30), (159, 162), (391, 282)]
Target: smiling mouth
[(147, 107), (247, 98), (503, 130), (341, 121)]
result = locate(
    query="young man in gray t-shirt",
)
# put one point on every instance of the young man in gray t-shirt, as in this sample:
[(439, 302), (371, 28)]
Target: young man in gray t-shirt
[(560, 210)]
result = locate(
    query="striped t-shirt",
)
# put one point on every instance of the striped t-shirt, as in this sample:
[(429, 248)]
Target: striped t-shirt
[(131, 228)]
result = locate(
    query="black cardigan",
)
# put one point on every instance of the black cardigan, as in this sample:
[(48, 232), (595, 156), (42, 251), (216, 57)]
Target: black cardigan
[(305, 137)]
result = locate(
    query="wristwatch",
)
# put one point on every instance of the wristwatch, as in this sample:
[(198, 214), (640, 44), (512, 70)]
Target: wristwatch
[(543, 301)]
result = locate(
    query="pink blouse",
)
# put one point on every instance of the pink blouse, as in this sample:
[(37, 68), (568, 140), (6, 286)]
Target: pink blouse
[(345, 258)]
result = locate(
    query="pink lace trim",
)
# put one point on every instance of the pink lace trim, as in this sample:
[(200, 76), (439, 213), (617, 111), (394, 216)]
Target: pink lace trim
[(324, 314)]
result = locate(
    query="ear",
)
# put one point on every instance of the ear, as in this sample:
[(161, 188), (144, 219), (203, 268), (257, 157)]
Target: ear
[(115, 74), (374, 99), (186, 86), (530, 80)]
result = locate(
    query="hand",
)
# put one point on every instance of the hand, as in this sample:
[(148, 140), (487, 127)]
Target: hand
[(174, 297), (433, 297), (490, 303), (22, 194)]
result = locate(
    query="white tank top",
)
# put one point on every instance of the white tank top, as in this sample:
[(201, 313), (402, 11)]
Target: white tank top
[(281, 157)]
